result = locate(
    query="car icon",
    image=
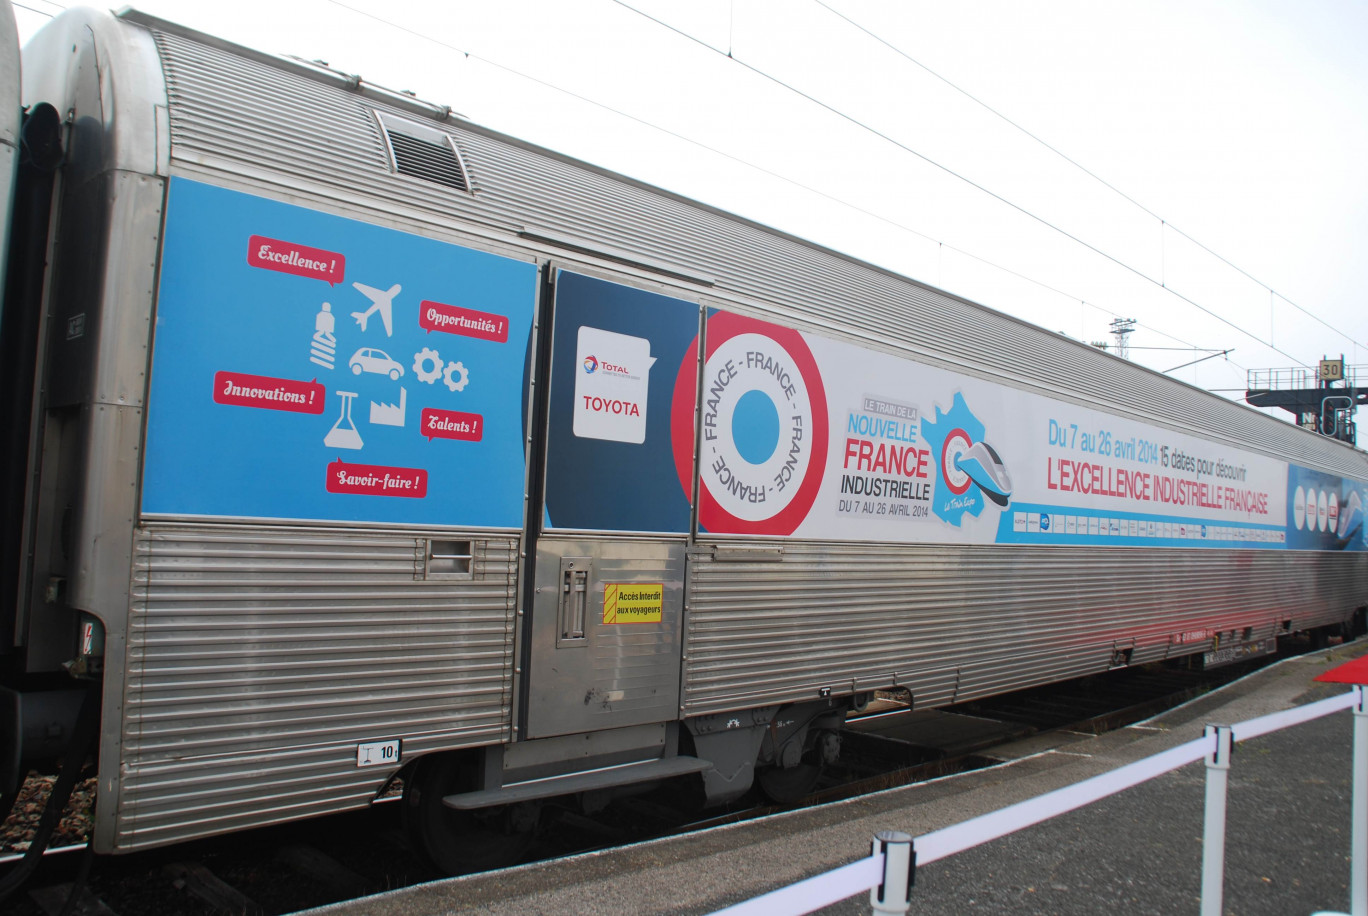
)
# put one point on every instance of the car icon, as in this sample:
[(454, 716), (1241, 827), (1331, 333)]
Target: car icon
[(370, 360)]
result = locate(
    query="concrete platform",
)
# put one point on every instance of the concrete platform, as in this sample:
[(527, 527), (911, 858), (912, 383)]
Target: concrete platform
[(1136, 852)]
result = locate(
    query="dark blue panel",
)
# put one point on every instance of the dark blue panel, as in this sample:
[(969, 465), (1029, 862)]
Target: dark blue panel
[(611, 464)]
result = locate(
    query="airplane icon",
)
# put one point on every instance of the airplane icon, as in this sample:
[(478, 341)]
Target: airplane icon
[(382, 301)]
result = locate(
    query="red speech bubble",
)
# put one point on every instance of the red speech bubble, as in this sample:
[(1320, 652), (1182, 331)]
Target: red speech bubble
[(242, 390), (434, 316), (451, 424), (300, 260), (376, 480)]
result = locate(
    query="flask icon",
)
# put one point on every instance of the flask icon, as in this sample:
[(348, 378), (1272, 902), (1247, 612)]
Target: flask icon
[(344, 433)]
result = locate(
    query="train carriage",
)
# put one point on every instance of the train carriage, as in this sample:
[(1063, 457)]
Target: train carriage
[(358, 441)]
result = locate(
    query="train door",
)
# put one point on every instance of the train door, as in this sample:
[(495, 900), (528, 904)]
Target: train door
[(607, 596)]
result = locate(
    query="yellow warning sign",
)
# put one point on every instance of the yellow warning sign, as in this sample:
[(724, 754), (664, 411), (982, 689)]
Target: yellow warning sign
[(632, 602)]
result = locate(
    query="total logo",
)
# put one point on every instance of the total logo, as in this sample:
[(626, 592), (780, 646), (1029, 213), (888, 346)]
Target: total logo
[(592, 365), (764, 427)]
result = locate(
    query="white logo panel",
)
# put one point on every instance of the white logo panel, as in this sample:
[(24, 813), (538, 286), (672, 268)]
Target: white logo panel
[(612, 381)]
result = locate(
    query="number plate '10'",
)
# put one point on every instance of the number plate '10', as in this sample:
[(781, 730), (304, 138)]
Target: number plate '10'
[(377, 753)]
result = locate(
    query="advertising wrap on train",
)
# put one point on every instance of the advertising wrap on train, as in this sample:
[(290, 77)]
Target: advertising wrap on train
[(315, 367), (806, 436)]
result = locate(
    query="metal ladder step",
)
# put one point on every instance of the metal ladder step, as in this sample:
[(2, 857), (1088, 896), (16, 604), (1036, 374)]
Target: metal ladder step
[(607, 777)]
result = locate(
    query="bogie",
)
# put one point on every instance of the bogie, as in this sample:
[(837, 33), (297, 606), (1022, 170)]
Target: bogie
[(454, 842)]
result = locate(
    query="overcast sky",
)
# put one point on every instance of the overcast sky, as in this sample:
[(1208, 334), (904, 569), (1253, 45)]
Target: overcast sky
[(1241, 124)]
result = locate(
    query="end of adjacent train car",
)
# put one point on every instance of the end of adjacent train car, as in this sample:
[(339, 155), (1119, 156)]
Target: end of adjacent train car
[(86, 191)]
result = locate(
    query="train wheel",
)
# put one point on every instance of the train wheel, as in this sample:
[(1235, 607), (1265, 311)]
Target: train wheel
[(785, 786), (458, 842)]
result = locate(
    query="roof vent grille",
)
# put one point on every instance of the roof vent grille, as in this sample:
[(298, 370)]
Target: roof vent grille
[(419, 151)]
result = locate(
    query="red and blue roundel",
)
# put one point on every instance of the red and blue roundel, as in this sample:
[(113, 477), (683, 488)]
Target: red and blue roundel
[(763, 443)]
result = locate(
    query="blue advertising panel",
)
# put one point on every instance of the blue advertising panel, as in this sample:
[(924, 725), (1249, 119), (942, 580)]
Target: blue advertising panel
[(616, 352), (1324, 511), (309, 366)]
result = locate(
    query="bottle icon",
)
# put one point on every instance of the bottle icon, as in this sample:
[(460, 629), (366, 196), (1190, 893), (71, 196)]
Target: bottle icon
[(323, 349)]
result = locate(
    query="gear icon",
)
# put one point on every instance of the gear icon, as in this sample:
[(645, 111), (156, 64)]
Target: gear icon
[(423, 359), (456, 369)]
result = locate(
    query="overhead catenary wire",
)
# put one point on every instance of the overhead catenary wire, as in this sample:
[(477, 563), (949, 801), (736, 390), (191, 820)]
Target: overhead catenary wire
[(470, 55), (969, 181), (1196, 361), (30, 9), (1181, 349), (816, 192), (1164, 223)]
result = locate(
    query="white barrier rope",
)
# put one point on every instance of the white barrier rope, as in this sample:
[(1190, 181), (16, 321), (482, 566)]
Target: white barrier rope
[(814, 893), (965, 835), (1253, 728)]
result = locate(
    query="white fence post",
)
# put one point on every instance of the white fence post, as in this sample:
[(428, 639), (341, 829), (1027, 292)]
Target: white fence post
[(1213, 830), (894, 894), (1358, 830)]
